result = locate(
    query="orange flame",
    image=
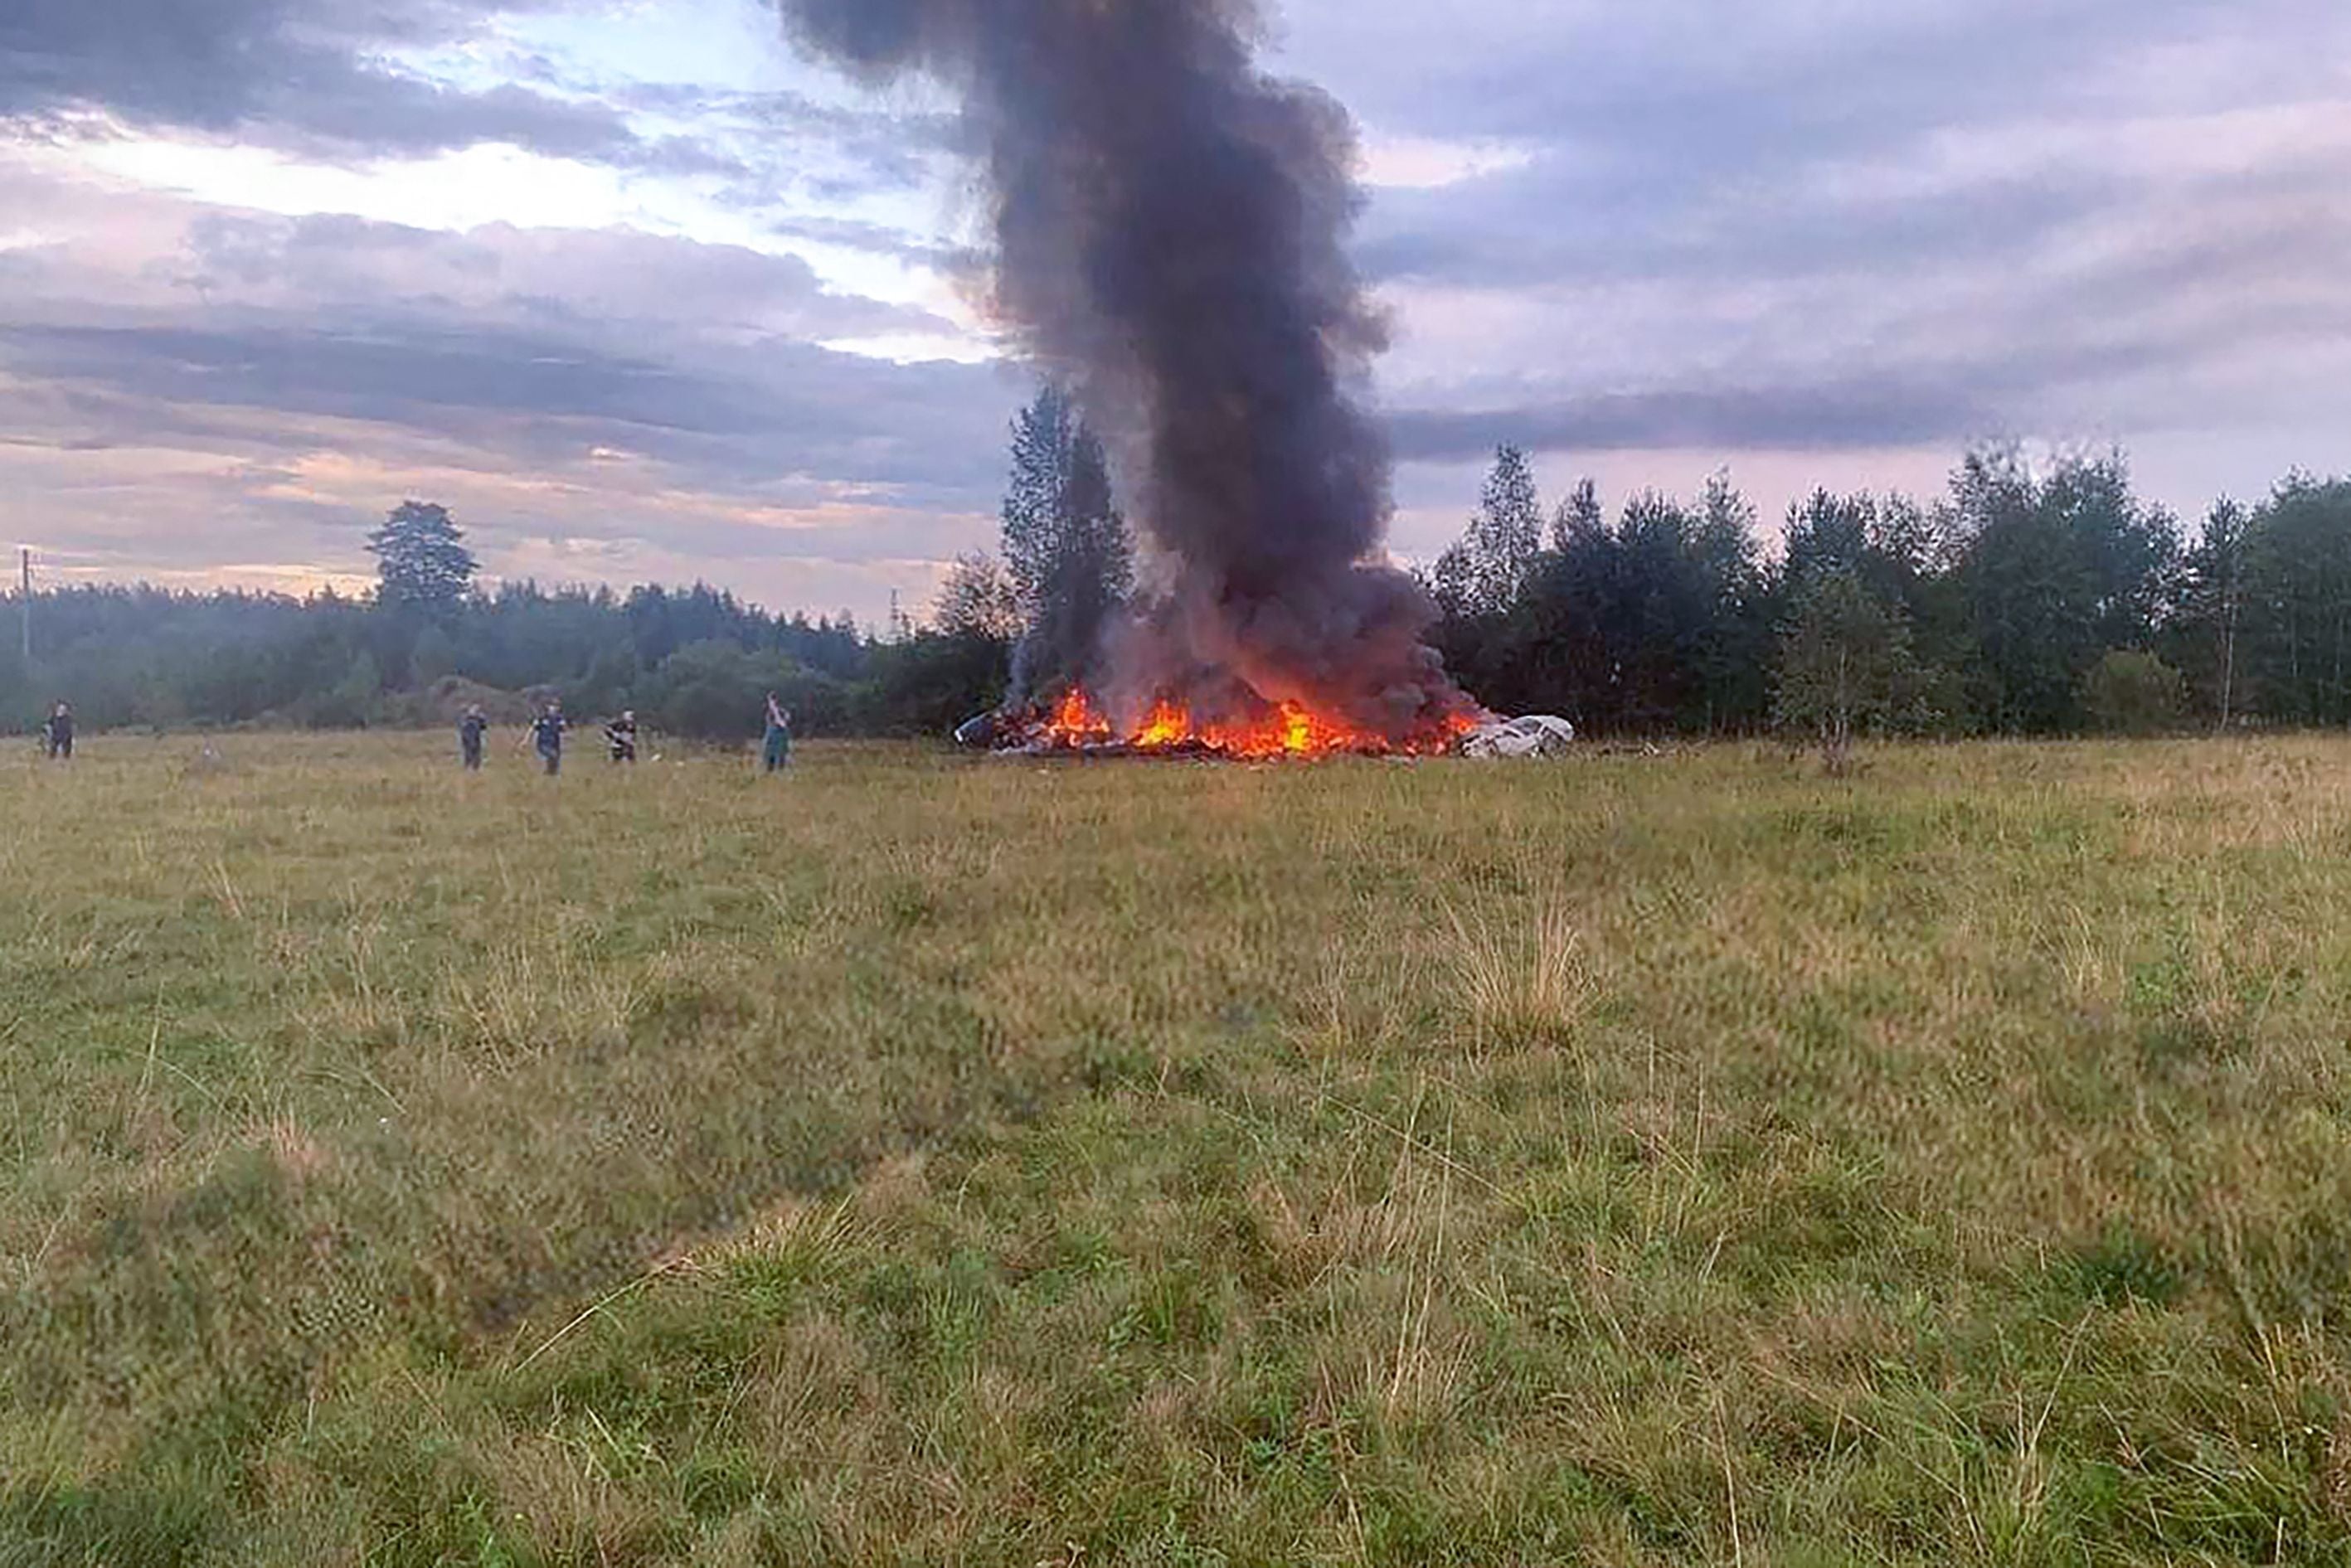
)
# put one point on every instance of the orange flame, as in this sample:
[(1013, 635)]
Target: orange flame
[(1289, 729), (1076, 723), (1169, 724)]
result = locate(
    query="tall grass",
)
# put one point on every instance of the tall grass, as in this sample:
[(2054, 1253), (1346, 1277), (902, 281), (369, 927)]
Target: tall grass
[(1638, 1160)]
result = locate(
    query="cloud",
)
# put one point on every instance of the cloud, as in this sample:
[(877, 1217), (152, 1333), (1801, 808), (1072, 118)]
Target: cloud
[(314, 73), (364, 80), (779, 140), (205, 307), (1699, 92), (1824, 418), (273, 381), (881, 239), (619, 282), (800, 425), (1799, 226)]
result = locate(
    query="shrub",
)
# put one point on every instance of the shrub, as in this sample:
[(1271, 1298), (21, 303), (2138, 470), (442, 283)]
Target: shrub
[(2128, 693), (717, 690)]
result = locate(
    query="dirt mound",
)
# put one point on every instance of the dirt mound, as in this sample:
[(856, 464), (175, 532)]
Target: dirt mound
[(444, 701)]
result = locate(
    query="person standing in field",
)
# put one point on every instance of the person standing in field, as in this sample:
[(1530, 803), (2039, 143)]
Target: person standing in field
[(546, 734), (58, 732), (621, 735), (776, 751), (470, 732)]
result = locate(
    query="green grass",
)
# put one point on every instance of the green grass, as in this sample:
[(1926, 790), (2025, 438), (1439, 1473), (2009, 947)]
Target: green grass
[(923, 1160)]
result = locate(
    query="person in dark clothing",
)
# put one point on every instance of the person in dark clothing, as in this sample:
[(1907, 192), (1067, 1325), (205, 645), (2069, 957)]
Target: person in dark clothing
[(546, 734), (470, 731), (776, 751), (59, 732), (621, 735)]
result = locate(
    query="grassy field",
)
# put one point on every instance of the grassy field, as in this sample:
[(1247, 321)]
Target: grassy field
[(925, 1160)]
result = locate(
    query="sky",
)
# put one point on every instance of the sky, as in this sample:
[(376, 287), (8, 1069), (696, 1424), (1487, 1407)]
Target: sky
[(641, 297)]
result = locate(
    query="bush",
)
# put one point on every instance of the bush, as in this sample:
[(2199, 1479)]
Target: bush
[(2128, 693), (351, 702), (931, 683), (1845, 666), (718, 691)]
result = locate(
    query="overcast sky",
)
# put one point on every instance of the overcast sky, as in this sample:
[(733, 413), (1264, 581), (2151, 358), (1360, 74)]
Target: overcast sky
[(641, 297)]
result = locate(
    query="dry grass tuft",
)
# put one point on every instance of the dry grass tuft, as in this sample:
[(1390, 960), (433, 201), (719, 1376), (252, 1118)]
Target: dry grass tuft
[(1522, 980)]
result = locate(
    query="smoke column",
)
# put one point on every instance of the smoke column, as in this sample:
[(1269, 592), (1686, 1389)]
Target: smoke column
[(1169, 223)]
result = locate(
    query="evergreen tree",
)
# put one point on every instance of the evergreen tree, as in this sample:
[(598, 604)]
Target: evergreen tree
[(1663, 608), (1065, 543), (1580, 518), (1564, 635), (421, 561), (434, 658), (1827, 534), (351, 703), (1035, 496), (1734, 644)]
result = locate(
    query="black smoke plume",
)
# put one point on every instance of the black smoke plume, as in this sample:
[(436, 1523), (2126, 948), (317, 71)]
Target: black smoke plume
[(1169, 223)]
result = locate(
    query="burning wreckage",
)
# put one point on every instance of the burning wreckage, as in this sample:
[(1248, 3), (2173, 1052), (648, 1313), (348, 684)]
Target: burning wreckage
[(1169, 225), (1075, 727)]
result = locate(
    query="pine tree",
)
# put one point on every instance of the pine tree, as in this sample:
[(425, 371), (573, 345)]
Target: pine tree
[(421, 561), (1065, 543), (1735, 646), (1580, 519), (1043, 434)]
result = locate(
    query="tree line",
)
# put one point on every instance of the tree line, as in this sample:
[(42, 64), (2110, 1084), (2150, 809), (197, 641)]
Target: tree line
[(2029, 599), (695, 662)]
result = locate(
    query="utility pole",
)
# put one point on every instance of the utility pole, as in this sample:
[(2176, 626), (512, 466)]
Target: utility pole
[(25, 559)]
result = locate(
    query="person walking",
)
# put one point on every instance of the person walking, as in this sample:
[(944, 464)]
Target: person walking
[(776, 751), (621, 735), (58, 732), (547, 734), (471, 729)]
